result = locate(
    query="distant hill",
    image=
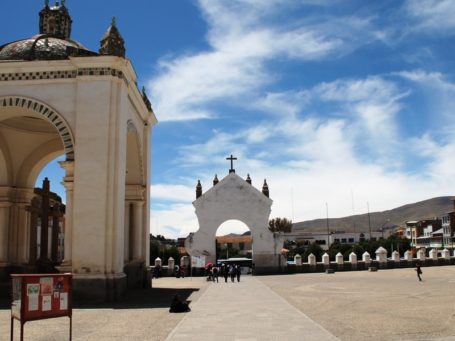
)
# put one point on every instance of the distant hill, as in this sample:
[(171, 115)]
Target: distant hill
[(421, 210)]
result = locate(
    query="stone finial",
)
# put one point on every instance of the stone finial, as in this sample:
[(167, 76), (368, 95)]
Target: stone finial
[(312, 259), (112, 43), (298, 260), (198, 189), (326, 258), (433, 254), (408, 256), (366, 257), (170, 264), (265, 189), (339, 258), (353, 258), (445, 254), (46, 3), (158, 261), (421, 254), (381, 254), (395, 256), (248, 179), (215, 180)]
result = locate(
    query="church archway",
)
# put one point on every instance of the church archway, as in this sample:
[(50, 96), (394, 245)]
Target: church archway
[(234, 198), (22, 106), (136, 247), (31, 135)]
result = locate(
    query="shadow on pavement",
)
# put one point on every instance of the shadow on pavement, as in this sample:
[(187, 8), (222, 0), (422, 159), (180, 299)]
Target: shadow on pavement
[(135, 299)]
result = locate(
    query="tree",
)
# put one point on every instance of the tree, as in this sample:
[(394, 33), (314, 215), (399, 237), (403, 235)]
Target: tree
[(315, 249), (280, 225)]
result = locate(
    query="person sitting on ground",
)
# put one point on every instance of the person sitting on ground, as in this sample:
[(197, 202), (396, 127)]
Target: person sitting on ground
[(179, 305)]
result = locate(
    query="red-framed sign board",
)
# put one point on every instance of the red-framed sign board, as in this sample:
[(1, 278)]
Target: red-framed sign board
[(40, 296)]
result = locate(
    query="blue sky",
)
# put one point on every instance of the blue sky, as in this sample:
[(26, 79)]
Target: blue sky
[(338, 102)]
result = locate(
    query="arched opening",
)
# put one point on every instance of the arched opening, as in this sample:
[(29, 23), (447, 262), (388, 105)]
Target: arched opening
[(233, 241), (135, 239), (32, 136)]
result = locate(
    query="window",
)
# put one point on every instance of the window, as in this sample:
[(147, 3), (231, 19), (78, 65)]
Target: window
[(351, 240), (343, 240)]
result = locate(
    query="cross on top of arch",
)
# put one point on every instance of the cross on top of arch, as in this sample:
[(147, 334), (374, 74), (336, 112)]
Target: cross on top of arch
[(231, 158)]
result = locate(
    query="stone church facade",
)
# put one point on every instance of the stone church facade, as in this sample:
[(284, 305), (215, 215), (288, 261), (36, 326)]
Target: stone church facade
[(58, 98), (234, 198)]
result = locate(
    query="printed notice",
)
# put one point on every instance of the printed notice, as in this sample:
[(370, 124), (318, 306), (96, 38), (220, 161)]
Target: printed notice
[(46, 286), (63, 301), (33, 296), (33, 289), (47, 303), (33, 303)]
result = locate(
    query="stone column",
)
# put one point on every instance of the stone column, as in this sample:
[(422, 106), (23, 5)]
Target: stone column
[(68, 183), (137, 229), (127, 241), (4, 231)]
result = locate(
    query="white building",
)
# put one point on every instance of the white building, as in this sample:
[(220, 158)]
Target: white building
[(58, 98)]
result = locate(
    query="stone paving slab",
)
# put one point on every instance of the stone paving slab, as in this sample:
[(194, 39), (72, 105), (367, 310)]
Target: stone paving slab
[(246, 311)]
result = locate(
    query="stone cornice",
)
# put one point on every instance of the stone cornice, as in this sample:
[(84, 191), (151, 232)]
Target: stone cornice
[(82, 68)]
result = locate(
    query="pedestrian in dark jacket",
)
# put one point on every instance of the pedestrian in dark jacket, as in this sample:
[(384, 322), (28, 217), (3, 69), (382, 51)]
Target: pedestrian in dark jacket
[(225, 272), (238, 271), (419, 272)]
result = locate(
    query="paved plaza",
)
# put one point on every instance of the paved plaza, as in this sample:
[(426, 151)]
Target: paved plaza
[(386, 305)]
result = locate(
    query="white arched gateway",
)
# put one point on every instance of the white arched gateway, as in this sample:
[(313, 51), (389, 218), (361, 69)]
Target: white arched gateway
[(58, 98), (236, 198)]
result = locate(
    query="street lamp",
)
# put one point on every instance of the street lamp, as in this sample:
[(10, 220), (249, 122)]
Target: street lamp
[(382, 227)]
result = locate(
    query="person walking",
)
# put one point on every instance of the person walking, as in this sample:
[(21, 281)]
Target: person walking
[(225, 272), (238, 271), (215, 274), (232, 273), (419, 272)]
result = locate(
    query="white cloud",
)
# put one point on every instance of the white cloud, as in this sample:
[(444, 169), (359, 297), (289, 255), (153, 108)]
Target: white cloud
[(172, 192), (242, 38), (436, 15)]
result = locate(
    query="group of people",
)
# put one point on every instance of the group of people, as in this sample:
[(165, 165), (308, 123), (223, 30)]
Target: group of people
[(225, 270), (179, 271)]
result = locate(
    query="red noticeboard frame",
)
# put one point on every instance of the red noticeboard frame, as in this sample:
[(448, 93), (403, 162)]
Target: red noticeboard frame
[(41, 296)]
